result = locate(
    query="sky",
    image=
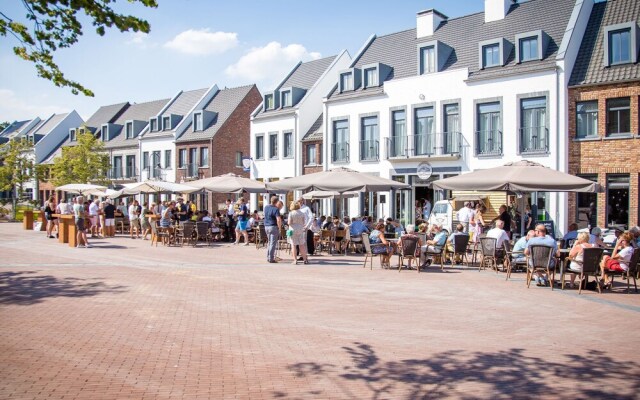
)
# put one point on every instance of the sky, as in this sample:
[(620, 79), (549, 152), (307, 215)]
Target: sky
[(197, 43)]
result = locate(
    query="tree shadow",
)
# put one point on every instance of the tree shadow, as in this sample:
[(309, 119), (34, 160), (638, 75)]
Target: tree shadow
[(511, 373), (27, 288)]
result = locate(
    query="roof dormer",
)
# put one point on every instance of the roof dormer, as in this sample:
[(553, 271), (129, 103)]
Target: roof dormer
[(374, 75), (531, 46), (169, 121), (271, 100), (350, 80), (493, 53), (290, 96), (109, 131), (432, 56), (133, 128), (203, 119)]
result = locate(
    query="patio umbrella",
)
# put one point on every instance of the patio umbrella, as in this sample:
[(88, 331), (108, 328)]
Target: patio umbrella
[(520, 176), (229, 183), (151, 186), (321, 194), (82, 189), (338, 180)]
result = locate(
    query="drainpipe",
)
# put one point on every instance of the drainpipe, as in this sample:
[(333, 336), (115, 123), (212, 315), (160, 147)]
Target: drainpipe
[(296, 153), (557, 213)]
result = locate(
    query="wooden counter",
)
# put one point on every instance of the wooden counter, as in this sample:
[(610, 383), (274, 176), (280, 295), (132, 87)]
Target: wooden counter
[(27, 220), (39, 216)]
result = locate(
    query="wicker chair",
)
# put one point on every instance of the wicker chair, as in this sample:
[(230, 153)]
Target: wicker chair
[(188, 233), (512, 259), (368, 247), (460, 244), (203, 232), (630, 273), (590, 266), (408, 249), (261, 236), (158, 233), (539, 259), (488, 253)]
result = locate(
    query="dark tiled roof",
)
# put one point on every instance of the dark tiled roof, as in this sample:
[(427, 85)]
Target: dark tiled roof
[(399, 50), (224, 103), (308, 73), (105, 114), (135, 112), (15, 126), (46, 126), (180, 106), (589, 68), (316, 130)]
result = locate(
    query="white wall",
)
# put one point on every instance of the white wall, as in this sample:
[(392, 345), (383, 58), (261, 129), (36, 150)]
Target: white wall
[(56, 136), (159, 144)]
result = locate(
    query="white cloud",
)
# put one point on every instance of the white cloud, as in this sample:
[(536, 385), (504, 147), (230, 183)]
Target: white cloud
[(139, 39), (203, 42), (14, 108), (272, 61)]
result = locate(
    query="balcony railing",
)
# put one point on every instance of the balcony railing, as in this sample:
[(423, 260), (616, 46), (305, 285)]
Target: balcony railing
[(369, 150), (115, 173), (489, 143), (534, 139), (442, 144), (192, 170), (340, 152)]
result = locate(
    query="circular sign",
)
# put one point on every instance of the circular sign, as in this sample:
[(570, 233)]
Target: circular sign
[(424, 171)]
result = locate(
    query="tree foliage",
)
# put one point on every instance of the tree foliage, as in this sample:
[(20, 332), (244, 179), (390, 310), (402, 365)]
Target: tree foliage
[(82, 163), (17, 165), (55, 24)]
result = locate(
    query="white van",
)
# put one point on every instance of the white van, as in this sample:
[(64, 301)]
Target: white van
[(442, 214)]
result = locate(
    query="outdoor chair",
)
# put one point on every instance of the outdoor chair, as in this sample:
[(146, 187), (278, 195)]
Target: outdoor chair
[(408, 248), (488, 253), (539, 259), (354, 242), (261, 236), (368, 255), (123, 224), (327, 238), (630, 273), (283, 243), (158, 234), (460, 244), (187, 233), (590, 266), (437, 252), (340, 240), (476, 248), (202, 233), (513, 259)]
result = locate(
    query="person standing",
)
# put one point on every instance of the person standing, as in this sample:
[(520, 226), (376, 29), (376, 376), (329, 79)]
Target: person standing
[(298, 237), (109, 219), (464, 216), (505, 217), (94, 209), (134, 219), (79, 214), (229, 226), (49, 208), (426, 210), (272, 226), (243, 222), (145, 223), (307, 226)]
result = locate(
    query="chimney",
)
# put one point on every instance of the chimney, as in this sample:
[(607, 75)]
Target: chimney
[(428, 22), (495, 10)]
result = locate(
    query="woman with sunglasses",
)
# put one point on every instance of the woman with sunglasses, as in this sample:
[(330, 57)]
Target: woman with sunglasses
[(619, 260)]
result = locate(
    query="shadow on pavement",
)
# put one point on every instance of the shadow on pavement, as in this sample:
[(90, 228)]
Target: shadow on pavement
[(502, 374), (26, 288)]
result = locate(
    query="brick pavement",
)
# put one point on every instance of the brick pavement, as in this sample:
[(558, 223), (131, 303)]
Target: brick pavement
[(127, 321)]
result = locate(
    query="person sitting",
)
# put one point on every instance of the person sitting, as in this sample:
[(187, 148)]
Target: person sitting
[(635, 232), (411, 233), (620, 258), (389, 227), (433, 246), (542, 239), (611, 238), (571, 235), (521, 244), (449, 248), (501, 236), (380, 245), (576, 255), (595, 238)]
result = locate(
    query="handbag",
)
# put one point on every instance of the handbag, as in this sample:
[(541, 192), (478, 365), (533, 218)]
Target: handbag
[(289, 232)]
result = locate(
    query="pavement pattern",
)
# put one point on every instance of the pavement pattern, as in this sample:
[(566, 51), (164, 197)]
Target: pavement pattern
[(125, 320)]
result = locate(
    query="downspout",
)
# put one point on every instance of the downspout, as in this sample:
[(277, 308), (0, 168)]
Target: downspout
[(297, 171), (557, 213)]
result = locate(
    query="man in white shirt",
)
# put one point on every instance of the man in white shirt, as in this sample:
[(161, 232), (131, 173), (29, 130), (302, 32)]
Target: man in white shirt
[(94, 209), (499, 234), (308, 221), (464, 216)]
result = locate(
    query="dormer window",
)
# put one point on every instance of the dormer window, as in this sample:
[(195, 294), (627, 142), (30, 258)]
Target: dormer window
[(427, 60), (268, 102), (531, 46), (490, 55), (104, 133), (528, 48), (370, 77), (153, 124), (432, 56), (286, 98), (166, 123), (128, 128), (621, 44), (346, 81), (494, 53), (197, 122), (72, 135)]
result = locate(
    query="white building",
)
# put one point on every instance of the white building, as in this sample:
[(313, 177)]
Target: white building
[(286, 115), (455, 95)]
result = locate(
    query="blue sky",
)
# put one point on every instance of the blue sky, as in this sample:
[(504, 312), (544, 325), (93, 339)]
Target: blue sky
[(195, 43)]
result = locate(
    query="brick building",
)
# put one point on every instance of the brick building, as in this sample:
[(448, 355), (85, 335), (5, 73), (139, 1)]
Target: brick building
[(216, 140), (604, 134)]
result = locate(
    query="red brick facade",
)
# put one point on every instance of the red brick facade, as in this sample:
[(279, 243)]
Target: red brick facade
[(317, 167), (232, 137), (604, 156)]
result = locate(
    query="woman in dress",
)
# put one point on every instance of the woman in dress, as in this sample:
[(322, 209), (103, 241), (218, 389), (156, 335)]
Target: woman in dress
[(576, 255), (298, 235), (49, 210), (376, 238), (478, 221), (145, 223)]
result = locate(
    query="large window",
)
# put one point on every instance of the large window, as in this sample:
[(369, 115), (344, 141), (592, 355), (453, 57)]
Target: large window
[(346, 81), (182, 158), (273, 145), (452, 136), (587, 119), (145, 160), (288, 145), (620, 46), (204, 156), (427, 60), (117, 167), (618, 201), (369, 139), (370, 77), (587, 206), (618, 116), (398, 147), (490, 55), (534, 136), (167, 158), (131, 167), (424, 132), (312, 158), (259, 147), (156, 167), (340, 145), (489, 136), (528, 48)]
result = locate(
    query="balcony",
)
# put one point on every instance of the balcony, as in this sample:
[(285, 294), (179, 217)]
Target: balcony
[(489, 143), (443, 145), (340, 152), (369, 150), (122, 173), (534, 140)]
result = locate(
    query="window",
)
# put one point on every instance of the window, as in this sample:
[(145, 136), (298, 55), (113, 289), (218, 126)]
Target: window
[(128, 130), (346, 81), (452, 137), (273, 145), (398, 144), (288, 145), (370, 77), (204, 156), (182, 158), (427, 60), (528, 49), (424, 140), (533, 125), (239, 159), (117, 167), (618, 116), (167, 158), (369, 139), (490, 55), (587, 206), (72, 135), (268, 101), (145, 160), (312, 154), (259, 147), (166, 123), (587, 119), (197, 122), (286, 98), (340, 145), (104, 133), (489, 136), (153, 125), (620, 46), (155, 164), (618, 201), (193, 155)]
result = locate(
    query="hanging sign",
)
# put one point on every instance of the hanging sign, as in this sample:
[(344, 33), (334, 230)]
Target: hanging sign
[(424, 171)]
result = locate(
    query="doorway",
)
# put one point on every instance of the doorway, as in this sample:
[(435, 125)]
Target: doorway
[(423, 200), (618, 201)]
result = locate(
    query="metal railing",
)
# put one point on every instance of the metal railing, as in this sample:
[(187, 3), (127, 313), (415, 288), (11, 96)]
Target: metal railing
[(489, 143), (534, 139), (192, 170), (115, 173), (340, 152), (425, 145), (369, 150)]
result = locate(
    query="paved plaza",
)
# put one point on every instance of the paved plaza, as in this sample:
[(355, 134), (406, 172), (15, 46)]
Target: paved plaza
[(124, 320)]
